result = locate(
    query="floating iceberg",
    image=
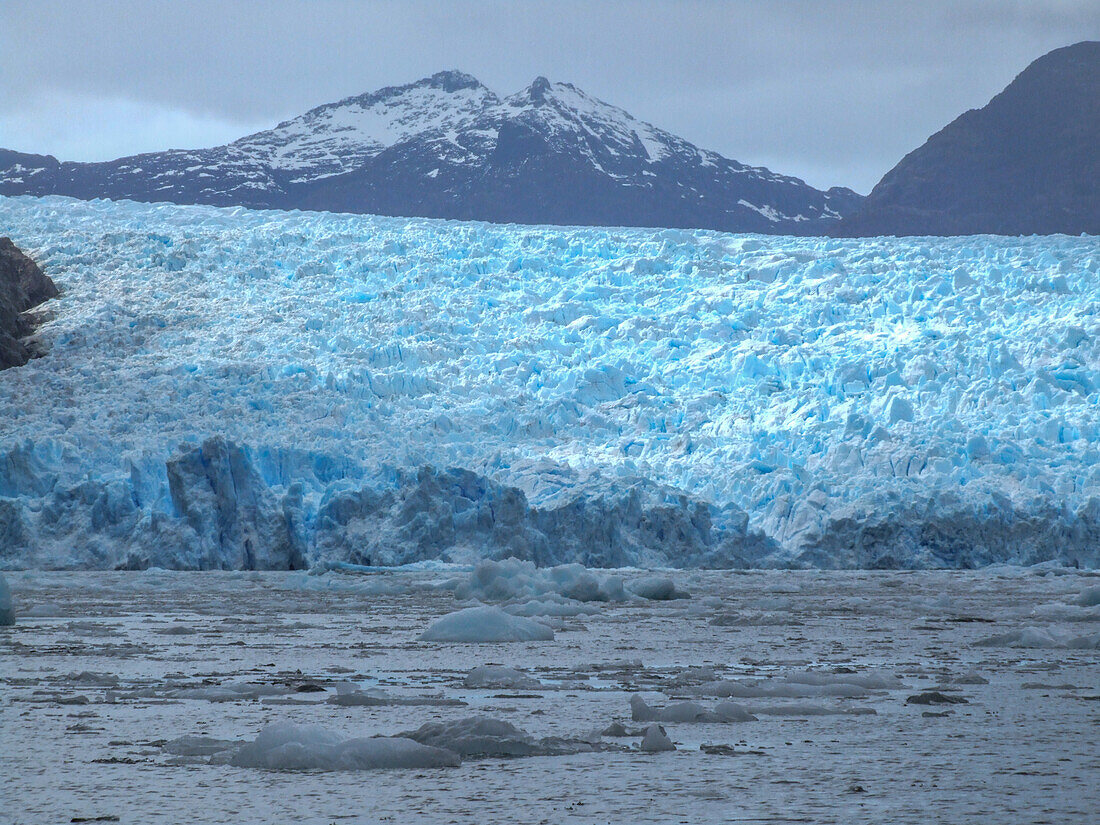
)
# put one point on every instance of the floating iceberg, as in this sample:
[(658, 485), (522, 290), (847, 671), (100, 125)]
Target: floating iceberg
[(517, 580), (288, 747), (500, 676), (486, 624), (483, 736), (227, 388)]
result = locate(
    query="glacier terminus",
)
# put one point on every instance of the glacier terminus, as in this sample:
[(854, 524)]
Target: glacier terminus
[(227, 388)]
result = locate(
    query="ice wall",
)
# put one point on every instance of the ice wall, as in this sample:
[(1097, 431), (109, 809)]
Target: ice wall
[(230, 388)]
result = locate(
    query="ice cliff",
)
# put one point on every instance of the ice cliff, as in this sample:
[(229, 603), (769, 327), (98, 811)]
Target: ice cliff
[(233, 388)]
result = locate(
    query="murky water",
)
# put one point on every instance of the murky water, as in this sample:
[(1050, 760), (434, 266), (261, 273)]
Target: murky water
[(101, 671)]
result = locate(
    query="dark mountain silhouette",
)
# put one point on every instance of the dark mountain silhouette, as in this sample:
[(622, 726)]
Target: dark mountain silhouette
[(1027, 163)]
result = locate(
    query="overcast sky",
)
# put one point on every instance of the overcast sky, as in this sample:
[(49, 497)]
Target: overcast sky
[(833, 92)]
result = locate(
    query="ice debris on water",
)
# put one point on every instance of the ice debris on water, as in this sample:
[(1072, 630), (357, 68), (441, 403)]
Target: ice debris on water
[(349, 695), (486, 624), (500, 676), (803, 684), (289, 747), (484, 736), (610, 397), (640, 711), (192, 745), (1089, 597), (1038, 637), (935, 697), (560, 591), (656, 740), (514, 579), (232, 692)]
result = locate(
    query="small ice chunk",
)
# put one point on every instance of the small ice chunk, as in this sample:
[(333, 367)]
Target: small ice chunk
[(234, 692), (676, 712), (514, 579), (178, 630), (191, 745), (1090, 596), (971, 677), (657, 588), (656, 740), (869, 680), (779, 689), (733, 712), (687, 712), (693, 676), (565, 608), (374, 697), (499, 676), (88, 677), (1033, 637), (289, 747), (477, 736), (43, 610), (7, 612), (360, 698), (486, 624), (808, 709), (618, 730), (483, 736), (934, 697), (1090, 641)]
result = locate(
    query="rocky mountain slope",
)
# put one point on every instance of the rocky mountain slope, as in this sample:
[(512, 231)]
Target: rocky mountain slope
[(1026, 163), (22, 287)]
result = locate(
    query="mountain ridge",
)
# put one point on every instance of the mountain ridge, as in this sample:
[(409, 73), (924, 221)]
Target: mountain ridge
[(447, 146), (1025, 163)]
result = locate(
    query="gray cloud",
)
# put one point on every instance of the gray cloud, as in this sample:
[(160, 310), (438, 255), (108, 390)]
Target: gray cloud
[(835, 92)]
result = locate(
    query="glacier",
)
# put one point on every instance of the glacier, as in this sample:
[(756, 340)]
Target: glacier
[(228, 388)]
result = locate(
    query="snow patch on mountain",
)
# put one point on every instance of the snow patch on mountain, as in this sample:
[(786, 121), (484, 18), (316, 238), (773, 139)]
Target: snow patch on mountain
[(340, 137)]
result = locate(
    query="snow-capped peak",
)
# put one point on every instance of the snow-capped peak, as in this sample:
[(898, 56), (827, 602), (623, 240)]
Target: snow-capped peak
[(339, 137), (564, 109)]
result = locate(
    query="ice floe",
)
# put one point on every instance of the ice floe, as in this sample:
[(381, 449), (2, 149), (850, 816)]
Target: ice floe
[(486, 624), (656, 740), (518, 580), (1038, 637)]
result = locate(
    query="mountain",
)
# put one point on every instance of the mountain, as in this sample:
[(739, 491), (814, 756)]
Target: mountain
[(1026, 163), (448, 147)]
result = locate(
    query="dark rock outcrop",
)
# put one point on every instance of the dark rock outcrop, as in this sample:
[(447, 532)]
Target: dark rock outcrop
[(1027, 163), (23, 286)]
